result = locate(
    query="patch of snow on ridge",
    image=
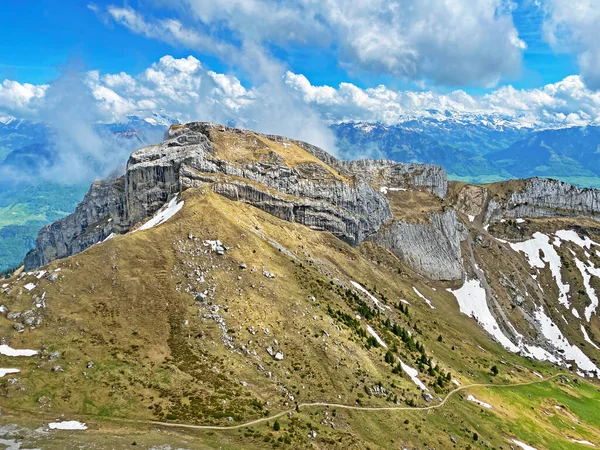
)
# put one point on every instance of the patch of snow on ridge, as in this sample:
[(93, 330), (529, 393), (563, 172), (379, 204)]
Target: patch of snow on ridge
[(7, 371), (371, 296), (532, 248), (385, 189), (572, 236), (424, 298), (587, 270), (587, 339), (576, 441), (376, 336), (570, 352), (412, 373), (109, 237), (479, 402), (6, 350), (523, 445), (472, 302), (67, 425), (163, 214)]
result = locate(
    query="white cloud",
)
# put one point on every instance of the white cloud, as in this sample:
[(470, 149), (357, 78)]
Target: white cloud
[(453, 42), (572, 26), (171, 31), (183, 88), (568, 102), (20, 98)]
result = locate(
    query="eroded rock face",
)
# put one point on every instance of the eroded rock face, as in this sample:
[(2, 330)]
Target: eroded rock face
[(543, 197), (472, 200), (431, 249), (384, 172), (101, 212), (309, 192)]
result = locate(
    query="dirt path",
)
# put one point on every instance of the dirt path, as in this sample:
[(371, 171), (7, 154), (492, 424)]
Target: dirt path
[(340, 406)]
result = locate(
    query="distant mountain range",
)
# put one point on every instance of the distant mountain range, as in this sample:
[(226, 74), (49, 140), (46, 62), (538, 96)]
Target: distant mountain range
[(481, 151), (473, 148)]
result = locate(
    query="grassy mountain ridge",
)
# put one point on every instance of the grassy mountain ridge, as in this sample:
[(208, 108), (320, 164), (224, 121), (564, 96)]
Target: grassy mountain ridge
[(158, 351)]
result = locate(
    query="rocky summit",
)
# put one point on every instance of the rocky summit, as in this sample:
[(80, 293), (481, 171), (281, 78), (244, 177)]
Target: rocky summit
[(239, 290)]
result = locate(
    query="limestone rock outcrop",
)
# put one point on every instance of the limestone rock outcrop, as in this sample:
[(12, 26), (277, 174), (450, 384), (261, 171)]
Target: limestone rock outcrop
[(541, 197), (292, 180), (428, 177), (431, 249)]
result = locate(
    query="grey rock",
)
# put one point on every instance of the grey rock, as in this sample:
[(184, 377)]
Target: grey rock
[(431, 249), (340, 199), (427, 396), (88, 225), (427, 177), (14, 315), (541, 197)]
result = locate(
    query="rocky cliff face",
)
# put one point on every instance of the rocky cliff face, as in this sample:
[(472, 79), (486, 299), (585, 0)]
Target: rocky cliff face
[(431, 249), (427, 177), (101, 213), (542, 197), (292, 180)]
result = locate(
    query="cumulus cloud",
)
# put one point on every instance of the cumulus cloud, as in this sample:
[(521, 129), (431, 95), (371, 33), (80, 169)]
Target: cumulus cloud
[(568, 102), (454, 42), (183, 89), (572, 26), (20, 98)]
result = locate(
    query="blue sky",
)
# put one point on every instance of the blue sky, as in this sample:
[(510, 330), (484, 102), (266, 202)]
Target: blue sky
[(38, 37)]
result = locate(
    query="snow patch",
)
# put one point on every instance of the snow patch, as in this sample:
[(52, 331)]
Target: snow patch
[(385, 189), (67, 425), (7, 371), (6, 350), (572, 236), (587, 339), (109, 237), (570, 352), (371, 296), (413, 374), (523, 445), (575, 441), (587, 270), (376, 336), (472, 302), (163, 214), (424, 298), (479, 402), (532, 248)]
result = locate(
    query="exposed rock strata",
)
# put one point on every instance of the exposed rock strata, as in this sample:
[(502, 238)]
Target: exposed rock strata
[(431, 249), (543, 197)]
